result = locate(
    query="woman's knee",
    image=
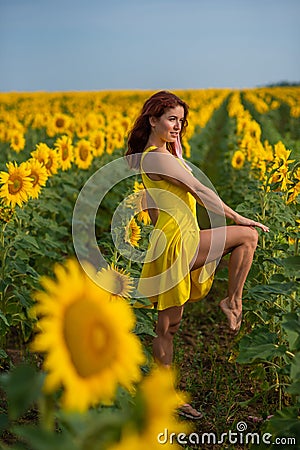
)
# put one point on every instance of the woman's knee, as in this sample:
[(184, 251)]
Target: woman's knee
[(174, 327), (165, 330), (251, 238), (169, 322)]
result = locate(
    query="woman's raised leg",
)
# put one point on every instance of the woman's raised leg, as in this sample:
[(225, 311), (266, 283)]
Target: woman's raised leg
[(240, 242)]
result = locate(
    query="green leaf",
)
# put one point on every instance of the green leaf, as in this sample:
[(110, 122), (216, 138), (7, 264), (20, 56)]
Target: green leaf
[(273, 288), (294, 388), (144, 328), (295, 368), (291, 326), (40, 439), (3, 354), (23, 386), (3, 423), (2, 316), (278, 278), (260, 345), (285, 423), (290, 263)]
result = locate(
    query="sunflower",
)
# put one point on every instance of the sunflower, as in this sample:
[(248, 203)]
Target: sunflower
[(132, 233), (87, 338), (117, 137), (5, 133), (64, 148), (39, 120), (110, 146), (125, 123), (80, 127), (238, 160), (282, 154), (138, 202), (143, 216), (53, 162), (91, 122), (6, 213), (186, 147), (138, 187), (38, 174), (282, 175), (293, 193), (156, 413), (17, 184), (41, 153), (97, 139), (17, 141), (58, 124), (46, 156), (83, 154), (114, 280)]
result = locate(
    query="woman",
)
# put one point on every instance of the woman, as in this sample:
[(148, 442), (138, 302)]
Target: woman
[(180, 262)]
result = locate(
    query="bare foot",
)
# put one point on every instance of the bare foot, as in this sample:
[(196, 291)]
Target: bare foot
[(233, 314)]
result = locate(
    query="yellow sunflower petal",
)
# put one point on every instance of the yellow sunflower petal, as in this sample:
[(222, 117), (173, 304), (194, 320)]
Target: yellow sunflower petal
[(85, 336)]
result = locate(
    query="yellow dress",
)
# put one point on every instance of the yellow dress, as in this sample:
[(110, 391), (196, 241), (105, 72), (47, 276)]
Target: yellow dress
[(166, 277)]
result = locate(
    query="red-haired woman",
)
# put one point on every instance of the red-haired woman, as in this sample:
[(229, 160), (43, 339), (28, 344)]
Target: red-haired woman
[(180, 262)]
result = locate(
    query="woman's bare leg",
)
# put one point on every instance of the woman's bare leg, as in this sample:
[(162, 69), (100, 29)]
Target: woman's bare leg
[(167, 324), (240, 242)]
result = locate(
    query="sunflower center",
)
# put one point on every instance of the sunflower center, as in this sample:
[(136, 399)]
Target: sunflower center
[(88, 338), (98, 142), (276, 178), (119, 285), (35, 178), (64, 152), (83, 152), (112, 282), (60, 123), (49, 163), (15, 185)]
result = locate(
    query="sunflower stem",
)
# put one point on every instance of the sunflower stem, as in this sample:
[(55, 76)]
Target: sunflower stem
[(46, 409), (3, 253)]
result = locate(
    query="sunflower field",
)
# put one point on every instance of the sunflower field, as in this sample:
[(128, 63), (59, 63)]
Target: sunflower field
[(75, 344)]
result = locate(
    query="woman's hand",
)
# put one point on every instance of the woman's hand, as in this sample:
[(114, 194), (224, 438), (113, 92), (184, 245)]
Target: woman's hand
[(240, 220)]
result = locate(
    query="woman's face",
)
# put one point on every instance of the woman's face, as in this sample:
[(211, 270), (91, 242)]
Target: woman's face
[(168, 126)]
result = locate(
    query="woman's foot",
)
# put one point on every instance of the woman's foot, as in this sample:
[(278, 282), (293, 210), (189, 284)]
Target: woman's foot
[(233, 313), (189, 412)]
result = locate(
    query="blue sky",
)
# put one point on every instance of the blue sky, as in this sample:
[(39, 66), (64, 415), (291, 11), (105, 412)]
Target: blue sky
[(67, 45)]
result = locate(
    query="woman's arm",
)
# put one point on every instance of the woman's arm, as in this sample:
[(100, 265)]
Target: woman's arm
[(169, 169)]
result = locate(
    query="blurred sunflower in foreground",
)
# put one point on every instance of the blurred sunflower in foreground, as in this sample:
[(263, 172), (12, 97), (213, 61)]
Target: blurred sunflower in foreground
[(88, 340), (156, 403)]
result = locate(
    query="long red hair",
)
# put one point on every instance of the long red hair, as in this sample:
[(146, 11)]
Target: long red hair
[(155, 106)]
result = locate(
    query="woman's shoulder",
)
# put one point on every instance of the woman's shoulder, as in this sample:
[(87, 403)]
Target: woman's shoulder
[(155, 149)]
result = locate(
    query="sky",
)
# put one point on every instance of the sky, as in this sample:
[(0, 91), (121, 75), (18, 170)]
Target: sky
[(95, 45)]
